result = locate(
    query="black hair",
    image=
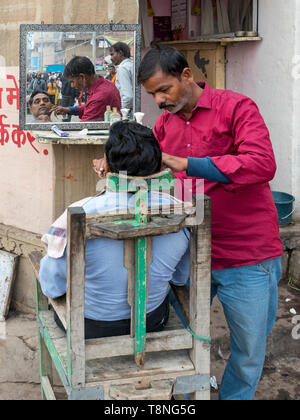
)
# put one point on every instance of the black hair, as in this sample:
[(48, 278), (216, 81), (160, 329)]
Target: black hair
[(36, 92), (79, 65), (132, 148), (161, 57), (122, 47)]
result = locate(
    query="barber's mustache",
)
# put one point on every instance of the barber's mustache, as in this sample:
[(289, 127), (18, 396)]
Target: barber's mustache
[(167, 105)]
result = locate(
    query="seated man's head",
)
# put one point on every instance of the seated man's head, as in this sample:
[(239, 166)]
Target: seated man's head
[(132, 148), (80, 72), (40, 105)]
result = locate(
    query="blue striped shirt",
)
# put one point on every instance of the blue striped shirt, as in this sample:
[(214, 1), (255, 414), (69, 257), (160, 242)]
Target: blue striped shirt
[(106, 277)]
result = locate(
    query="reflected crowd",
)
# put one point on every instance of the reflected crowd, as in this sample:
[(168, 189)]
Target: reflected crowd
[(81, 93)]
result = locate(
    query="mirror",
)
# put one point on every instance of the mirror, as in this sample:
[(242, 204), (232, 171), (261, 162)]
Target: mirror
[(79, 100)]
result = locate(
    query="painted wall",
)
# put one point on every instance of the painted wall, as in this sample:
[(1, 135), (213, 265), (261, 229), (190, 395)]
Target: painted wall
[(296, 113), (269, 73), (27, 169)]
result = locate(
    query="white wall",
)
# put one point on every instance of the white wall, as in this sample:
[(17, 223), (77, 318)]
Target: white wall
[(265, 71), (296, 116)]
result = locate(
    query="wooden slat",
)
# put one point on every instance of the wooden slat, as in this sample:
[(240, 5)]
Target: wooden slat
[(75, 296), (155, 390), (129, 263), (177, 208), (47, 388), (200, 284), (35, 260), (159, 226), (124, 345), (158, 363)]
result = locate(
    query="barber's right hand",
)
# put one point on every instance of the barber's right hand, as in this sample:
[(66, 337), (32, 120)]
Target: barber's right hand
[(175, 163), (60, 110), (100, 167)]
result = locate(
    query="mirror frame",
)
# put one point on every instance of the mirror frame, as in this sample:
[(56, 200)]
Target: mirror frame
[(25, 28)]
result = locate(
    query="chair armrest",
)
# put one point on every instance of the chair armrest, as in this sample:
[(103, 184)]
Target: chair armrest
[(35, 261)]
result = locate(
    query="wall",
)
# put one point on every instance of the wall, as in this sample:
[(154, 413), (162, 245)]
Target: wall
[(296, 114), (27, 169), (265, 71)]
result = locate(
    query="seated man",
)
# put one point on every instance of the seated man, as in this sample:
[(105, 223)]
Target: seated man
[(40, 106), (80, 71), (134, 149)]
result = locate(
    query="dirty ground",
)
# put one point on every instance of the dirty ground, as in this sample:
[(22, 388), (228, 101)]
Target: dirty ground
[(19, 368)]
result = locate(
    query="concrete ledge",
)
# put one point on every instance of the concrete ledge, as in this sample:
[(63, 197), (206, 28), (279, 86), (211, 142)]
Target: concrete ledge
[(19, 241), (290, 236)]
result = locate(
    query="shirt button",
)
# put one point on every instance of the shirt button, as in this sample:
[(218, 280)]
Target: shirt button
[(188, 145), (187, 123)]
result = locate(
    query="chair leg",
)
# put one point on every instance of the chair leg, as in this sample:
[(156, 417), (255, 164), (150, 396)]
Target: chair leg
[(46, 372)]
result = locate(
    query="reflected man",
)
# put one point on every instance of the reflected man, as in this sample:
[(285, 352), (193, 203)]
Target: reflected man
[(40, 106), (120, 56), (80, 71)]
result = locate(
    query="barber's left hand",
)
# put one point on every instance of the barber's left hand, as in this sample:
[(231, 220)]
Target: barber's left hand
[(100, 167), (175, 163)]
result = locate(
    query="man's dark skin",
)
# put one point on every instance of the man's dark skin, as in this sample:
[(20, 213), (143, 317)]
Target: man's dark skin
[(41, 107), (116, 57)]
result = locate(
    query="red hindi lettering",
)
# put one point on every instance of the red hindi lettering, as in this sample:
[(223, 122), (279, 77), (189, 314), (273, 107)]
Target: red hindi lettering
[(18, 136), (13, 92), (31, 139), (4, 134)]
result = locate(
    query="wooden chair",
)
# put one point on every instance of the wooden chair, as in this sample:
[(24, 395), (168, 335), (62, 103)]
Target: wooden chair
[(151, 366)]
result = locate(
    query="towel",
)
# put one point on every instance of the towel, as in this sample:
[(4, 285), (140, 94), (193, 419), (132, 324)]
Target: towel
[(55, 239)]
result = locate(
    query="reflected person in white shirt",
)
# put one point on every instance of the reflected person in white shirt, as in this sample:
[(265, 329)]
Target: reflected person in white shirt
[(120, 56)]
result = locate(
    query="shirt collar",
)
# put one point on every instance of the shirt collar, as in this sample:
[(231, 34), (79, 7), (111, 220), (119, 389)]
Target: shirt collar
[(126, 60), (206, 97), (94, 87)]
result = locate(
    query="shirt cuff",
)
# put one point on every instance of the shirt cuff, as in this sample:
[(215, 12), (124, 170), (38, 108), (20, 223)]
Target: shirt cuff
[(205, 168), (73, 110)]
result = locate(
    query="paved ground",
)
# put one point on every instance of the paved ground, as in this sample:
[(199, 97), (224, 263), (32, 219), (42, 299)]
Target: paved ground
[(281, 375), (19, 367)]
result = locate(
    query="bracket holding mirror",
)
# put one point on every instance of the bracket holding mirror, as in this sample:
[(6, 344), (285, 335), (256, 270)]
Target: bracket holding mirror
[(45, 50)]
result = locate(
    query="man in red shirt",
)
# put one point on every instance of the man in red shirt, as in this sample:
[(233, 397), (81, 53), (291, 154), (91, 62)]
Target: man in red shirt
[(80, 72), (220, 136)]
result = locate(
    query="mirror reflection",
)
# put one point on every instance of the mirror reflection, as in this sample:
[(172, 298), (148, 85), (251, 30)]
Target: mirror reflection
[(79, 77)]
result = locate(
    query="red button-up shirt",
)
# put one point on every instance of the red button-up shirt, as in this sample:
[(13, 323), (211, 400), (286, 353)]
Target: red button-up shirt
[(229, 128), (100, 94)]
